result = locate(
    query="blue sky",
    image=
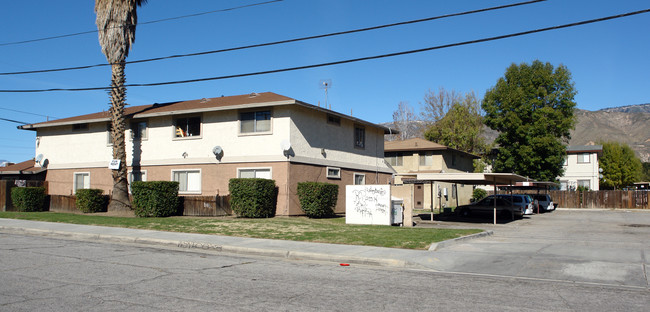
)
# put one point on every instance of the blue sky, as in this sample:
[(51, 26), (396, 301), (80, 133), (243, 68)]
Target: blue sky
[(609, 60)]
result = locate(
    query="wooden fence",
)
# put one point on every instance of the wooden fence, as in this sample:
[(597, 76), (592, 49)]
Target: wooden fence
[(196, 206), (208, 206), (63, 203), (5, 192), (597, 199)]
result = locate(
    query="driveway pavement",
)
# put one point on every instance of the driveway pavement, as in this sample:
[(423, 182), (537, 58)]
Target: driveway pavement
[(585, 246), (592, 246)]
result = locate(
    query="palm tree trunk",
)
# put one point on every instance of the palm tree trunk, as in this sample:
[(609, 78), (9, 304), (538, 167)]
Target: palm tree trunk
[(120, 195)]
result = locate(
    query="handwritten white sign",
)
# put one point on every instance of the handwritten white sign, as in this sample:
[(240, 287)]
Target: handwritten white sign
[(114, 164), (367, 204)]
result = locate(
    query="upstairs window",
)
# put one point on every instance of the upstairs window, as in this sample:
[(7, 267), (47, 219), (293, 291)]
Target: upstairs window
[(359, 137), (80, 127), (394, 159), (252, 122), (109, 135), (187, 127), (426, 158), (583, 158), (333, 120), (139, 130)]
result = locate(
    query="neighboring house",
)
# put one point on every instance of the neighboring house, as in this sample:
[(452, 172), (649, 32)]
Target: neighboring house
[(204, 143), (26, 170), (581, 167), (414, 159)]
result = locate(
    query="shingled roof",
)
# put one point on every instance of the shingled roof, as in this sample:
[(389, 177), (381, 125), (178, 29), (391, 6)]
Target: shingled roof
[(417, 144), (252, 100)]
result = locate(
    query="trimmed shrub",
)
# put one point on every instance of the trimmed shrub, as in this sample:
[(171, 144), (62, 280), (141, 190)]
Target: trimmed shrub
[(478, 194), (28, 198), (90, 200), (317, 200), (253, 198), (155, 198)]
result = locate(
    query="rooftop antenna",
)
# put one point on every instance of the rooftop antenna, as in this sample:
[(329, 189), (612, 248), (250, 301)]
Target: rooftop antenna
[(326, 84)]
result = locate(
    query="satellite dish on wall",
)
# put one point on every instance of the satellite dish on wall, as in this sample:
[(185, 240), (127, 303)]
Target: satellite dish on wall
[(38, 159), (218, 152), (286, 148), (286, 145)]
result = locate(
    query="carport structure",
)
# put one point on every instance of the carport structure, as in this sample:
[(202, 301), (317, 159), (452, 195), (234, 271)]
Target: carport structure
[(495, 179)]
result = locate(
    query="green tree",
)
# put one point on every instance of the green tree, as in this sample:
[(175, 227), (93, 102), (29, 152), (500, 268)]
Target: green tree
[(455, 120), (116, 21), (645, 172), (532, 107), (461, 127), (620, 166)]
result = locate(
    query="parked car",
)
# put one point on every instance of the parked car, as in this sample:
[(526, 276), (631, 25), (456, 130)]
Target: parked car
[(524, 201), (504, 207), (544, 201)]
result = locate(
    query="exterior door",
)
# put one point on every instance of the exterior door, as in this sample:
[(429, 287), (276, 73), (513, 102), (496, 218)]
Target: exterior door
[(418, 196)]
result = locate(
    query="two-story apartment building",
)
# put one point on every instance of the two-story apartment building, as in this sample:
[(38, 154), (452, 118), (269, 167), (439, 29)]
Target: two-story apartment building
[(204, 143), (581, 167), (414, 159)]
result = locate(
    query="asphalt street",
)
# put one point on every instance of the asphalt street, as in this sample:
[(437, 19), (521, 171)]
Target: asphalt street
[(567, 260), (53, 274)]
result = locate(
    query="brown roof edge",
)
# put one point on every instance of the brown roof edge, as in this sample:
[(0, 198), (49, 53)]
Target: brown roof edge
[(198, 105)]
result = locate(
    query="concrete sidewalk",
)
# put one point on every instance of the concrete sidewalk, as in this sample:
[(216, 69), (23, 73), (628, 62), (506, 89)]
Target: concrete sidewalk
[(293, 250)]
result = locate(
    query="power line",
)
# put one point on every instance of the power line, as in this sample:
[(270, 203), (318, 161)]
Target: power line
[(17, 111), (11, 120), (349, 60), (279, 42), (143, 23)]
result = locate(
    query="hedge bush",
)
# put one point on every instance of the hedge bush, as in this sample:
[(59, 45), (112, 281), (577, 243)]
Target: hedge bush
[(252, 197), (478, 194), (317, 200), (90, 200), (28, 198), (155, 198)]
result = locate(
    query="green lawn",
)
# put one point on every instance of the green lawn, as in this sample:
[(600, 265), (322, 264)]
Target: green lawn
[(332, 230)]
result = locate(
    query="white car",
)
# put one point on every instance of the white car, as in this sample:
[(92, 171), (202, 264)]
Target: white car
[(544, 201), (523, 201)]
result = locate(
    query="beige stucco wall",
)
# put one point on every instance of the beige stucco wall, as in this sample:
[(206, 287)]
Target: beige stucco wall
[(160, 152), (574, 171), (305, 129)]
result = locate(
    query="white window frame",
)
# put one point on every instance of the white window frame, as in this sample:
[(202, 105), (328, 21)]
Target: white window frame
[(109, 139), (581, 158), (74, 181), (188, 137), (359, 142), (354, 181), (189, 191), (255, 132), (584, 181), (255, 169), (143, 136), (333, 176), (143, 175), (427, 157), (395, 158)]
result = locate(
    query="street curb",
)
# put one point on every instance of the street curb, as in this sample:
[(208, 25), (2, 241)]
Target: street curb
[(199, 246), (451, 242)]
